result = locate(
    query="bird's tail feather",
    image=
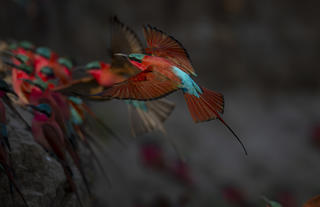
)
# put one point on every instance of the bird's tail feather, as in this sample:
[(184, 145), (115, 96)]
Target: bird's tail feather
[(207, 107)]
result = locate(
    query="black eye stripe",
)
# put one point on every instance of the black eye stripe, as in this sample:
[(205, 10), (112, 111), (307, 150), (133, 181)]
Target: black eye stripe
[(135, 59)]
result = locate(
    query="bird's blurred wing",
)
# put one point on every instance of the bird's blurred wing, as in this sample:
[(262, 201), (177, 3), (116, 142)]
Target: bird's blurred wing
[(146, 85), (123, 40), (150, 118), (163, 45), (86, 85)]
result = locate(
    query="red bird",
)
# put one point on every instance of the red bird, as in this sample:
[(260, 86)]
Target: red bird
[(166, 68), (48, 134), (144, 116)]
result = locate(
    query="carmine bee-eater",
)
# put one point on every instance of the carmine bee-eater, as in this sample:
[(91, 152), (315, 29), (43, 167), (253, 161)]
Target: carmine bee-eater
[(144, 116), (69, 113), (61, 115), (166, 67), (48, 134), (44, 57), (21, 69)]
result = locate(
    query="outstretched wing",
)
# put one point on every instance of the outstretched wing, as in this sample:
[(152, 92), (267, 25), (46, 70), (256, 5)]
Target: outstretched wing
[(163, 45), (146, 85), (123, 40)]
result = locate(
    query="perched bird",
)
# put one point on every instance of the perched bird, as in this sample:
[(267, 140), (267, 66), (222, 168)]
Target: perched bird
[(61, 67), (61, 115), (48, 134), (165, 68)]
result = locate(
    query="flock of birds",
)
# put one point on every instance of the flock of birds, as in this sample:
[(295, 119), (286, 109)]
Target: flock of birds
[(55, 90)]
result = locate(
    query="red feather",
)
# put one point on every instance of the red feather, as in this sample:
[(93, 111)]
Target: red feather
[(163, 45)]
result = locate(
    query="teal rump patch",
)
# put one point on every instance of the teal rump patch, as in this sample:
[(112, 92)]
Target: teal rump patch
[(66, 62), (187, 84), (47, 71), (138, 104)]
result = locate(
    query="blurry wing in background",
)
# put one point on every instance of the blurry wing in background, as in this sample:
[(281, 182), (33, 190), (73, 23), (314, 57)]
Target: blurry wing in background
[(149, 116), (81, 87), (163, 45), (123, 40)]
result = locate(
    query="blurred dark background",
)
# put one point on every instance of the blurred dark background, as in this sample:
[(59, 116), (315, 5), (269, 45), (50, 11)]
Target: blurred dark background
[(262, 55)]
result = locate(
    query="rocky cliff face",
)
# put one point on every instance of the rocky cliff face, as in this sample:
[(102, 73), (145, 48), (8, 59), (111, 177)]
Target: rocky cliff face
[(39, 176)]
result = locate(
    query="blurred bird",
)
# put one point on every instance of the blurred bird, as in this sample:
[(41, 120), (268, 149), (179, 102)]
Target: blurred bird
[(69, 121), (48, 134), (152, 156), (22, 68), (60, 67), (166, 68), (61, 115)]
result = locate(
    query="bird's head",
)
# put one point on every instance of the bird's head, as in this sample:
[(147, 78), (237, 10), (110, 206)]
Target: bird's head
[(23, 62), (135, 59), (47, 71), (66, 62), (44, 52), (38, 82), (42, 108), (24, 67)]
